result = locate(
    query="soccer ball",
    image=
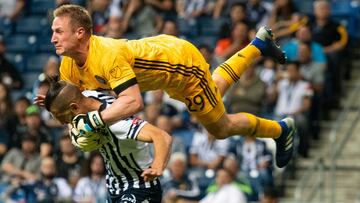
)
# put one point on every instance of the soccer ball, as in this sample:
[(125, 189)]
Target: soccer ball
[(89, 141)]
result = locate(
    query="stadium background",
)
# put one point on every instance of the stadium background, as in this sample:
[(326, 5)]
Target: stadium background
[(325, 167)]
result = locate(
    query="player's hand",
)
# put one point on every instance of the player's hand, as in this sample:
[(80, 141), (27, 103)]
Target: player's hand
[(88, 122), (150, 174), (39, 100)]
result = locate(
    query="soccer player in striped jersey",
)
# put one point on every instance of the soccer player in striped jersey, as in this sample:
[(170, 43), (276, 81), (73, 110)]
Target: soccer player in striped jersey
[(162, 62), (131, 171)]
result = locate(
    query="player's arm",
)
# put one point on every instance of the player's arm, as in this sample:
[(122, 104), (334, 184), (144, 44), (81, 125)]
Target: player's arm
[(128, 103), (120, 76), (162, 147)]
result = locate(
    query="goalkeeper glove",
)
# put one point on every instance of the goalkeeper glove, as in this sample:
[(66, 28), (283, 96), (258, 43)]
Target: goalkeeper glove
[(89, 122), (85, 142)]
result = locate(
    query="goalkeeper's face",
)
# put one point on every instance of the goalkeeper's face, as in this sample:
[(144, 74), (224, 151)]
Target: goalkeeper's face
[(64, 37)]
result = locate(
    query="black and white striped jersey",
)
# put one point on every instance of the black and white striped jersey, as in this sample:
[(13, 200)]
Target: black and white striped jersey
[(124, 156)]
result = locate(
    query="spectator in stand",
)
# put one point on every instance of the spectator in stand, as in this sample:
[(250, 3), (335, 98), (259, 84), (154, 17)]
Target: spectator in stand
[(237, 14), (314, 73), (151, 112), (36, 128), (258, 12), (20, 106), (282, 10), (249, 94), (242, 182), (208, 54), (9, 75), (166, 8), (284, 29), (190, 9), (333, 37), (48, 187), (11, 9), (45, 116), (267, 71), (311, 71), (6, 119), (50, 70), (255, 161), (164, 122), (222, 8), (92, 187), (69, 162), (141, 19), (206, 152), (22, 164), (170, 27), (6, 110), (294, 99), (113, 29), (225, 190), (102, 12), (304, 35), (229, 46), (179, 185), (270, 195)]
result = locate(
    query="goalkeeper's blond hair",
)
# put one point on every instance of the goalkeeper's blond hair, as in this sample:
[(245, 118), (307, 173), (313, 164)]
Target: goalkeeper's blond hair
[(79, 16)]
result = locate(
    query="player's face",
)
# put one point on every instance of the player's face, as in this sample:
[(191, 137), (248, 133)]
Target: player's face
[(64, 36), (64, 117)]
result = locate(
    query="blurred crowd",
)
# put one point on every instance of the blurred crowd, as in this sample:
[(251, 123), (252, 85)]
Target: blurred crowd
[(39, 163)]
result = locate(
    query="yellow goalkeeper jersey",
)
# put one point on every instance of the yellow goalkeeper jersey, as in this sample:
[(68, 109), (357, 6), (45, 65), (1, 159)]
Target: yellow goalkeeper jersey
[(161, 62)]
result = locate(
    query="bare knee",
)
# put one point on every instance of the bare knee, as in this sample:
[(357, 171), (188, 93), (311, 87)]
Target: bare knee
[(221, 83)]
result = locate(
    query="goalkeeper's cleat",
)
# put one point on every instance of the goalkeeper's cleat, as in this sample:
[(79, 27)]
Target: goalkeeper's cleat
[(266, 44), (285, 142)]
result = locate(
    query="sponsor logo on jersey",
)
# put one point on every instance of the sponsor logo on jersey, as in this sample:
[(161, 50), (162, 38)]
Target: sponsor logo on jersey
[(115, 72), (130, 198)]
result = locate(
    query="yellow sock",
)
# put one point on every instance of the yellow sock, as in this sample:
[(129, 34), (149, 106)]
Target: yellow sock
[(264, 128), (233, 68)]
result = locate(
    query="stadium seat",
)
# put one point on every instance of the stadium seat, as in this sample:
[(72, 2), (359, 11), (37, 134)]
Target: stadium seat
[(340, 7), (17, 60), (187, 27), (131, 36), (41, 7), (36, 62), (304, 6), (209, 26), (29, 80), (32, 25), (6, 27), (20, 43), (44, 45), (204, 40), (347, 13)]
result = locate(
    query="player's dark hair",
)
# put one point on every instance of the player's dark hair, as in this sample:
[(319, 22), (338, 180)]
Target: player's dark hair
[(55, 88)]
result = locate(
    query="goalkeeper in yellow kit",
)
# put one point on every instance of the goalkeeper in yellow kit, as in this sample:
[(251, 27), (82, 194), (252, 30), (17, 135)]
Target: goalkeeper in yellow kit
[(162, 62)]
